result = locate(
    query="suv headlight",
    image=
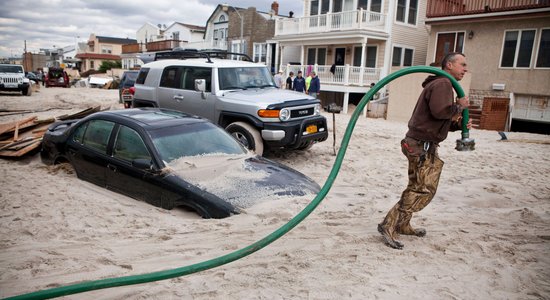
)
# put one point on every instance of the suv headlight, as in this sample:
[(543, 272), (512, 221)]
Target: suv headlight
[(317, 111), (284, 114)]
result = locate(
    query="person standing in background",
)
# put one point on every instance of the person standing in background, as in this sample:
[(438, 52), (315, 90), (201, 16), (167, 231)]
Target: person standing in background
[(314, 86), (279, 81), (289, 81), (299, 83)]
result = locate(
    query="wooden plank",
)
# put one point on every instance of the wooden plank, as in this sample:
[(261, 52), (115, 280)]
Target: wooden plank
[(10, 126), (21, 152)]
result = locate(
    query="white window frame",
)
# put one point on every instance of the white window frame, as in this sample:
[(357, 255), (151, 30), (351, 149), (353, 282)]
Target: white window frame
[(366, 46), (106, 49), (537, 44), (369, 6), (517, 49), (407, 9), (260, 51), (402, 58)]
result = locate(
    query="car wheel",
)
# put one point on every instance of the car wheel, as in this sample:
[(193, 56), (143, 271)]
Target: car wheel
[(247, 135), (28, 92)]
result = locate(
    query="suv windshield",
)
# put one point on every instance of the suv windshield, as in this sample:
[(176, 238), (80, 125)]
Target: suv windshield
[(244, 78), (11, 69)]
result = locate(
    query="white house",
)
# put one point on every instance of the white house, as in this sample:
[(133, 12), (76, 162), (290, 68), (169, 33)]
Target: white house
[(352, 43)]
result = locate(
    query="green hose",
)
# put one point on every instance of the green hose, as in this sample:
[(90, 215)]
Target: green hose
[(212, 263)]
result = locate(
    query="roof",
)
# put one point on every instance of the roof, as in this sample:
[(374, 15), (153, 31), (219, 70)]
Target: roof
[(192, 27), (154, 118), (97, 56), (114, 40)]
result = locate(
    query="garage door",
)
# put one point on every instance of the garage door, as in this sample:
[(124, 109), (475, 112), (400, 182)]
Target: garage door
[(532, 108)]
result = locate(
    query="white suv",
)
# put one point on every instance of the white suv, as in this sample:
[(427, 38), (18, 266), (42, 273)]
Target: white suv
[(12, 78), (238, 95)]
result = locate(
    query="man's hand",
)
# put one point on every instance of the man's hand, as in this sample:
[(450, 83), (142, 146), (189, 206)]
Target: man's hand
[(464, 102)]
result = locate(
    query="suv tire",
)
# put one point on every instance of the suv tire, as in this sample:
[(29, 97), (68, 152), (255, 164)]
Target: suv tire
[(247, 135), (27, 92)]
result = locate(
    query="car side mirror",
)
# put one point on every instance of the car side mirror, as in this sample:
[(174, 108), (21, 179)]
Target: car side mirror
[(200, 86), (143, 164)]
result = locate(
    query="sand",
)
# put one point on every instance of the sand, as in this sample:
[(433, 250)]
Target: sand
[(488, 225)]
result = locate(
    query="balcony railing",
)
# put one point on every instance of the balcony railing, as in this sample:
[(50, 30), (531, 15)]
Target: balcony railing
[(444, 8), (343, 75), (133, 48), (162, 45), (217, 44), (349, 20)]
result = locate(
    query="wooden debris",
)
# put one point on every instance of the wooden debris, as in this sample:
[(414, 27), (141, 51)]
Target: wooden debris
[(21, 137)]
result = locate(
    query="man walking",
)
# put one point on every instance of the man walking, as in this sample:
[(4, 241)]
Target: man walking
[(434, 115)]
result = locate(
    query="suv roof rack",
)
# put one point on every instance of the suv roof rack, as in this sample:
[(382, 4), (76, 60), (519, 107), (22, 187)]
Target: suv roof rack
[(193, 53)]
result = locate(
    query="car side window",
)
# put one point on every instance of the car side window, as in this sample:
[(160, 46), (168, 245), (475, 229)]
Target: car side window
[(79, 133), (142, 75), (97, 135), (190, 74), (129, 145), (168, 79)]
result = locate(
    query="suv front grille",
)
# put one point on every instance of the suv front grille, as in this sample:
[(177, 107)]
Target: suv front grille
[(301, 112), (10, 79)]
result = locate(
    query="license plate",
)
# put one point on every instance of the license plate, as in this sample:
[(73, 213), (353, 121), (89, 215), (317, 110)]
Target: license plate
[(311, 129)]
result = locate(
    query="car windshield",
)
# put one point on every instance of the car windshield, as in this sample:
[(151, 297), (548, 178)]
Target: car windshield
[(11, 69), (200, 138), (130, 78), (244, 78)]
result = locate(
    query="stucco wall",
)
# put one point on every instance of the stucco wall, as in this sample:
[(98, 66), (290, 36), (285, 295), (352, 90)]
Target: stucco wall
[(484, 50), (404, 92)]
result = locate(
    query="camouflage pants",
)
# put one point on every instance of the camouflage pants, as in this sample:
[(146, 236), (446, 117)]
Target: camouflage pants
[(424, 171)]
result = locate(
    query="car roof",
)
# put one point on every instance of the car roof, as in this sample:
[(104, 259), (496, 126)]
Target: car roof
[(152, 118), (202, 62)]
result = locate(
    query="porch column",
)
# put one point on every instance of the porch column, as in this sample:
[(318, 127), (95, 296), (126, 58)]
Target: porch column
[(363, 59), (276, 58), (346, 103), (302, 61)]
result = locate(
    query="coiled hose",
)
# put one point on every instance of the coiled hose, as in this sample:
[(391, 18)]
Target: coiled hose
[(218, 261)]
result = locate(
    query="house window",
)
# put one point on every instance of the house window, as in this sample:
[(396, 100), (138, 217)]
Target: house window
[(402, 57), (237, 46), (375, 5), (221, 19), (370, 61), (447, 43), (176, 35), (517, 49), (407, 11), (543, 57), (260, 52), (316, 56), (92, 64), (106, 49)]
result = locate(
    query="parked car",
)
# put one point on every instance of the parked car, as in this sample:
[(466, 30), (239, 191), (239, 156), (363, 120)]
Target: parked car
[(168, 159), (127, 81), (56, 77), (32, 77), (12, 79), (238, 95)]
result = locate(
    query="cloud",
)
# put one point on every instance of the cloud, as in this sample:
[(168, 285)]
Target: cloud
[(45, 23)]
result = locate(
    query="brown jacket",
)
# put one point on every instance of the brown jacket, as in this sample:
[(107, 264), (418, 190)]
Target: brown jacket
[(434, 112)]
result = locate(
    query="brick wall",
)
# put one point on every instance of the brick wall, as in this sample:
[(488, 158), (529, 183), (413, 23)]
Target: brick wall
[(494, 113)]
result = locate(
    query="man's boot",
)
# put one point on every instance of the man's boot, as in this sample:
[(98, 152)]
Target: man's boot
[(390, 241)]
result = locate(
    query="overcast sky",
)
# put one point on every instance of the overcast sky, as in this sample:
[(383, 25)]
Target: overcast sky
[(59, 23)]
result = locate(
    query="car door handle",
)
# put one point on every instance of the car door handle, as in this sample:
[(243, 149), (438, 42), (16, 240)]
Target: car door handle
[(111, 167), (178, 98)]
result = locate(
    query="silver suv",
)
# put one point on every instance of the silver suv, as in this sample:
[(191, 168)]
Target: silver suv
[(12, 78), (238, 95)]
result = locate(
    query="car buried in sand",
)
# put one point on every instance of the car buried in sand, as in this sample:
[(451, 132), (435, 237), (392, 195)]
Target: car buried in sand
[(168, 159)]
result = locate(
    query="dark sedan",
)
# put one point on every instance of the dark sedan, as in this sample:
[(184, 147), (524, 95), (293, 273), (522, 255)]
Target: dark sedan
[(170, 159)]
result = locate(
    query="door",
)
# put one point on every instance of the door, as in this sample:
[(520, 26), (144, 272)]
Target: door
[(177, 91), (88, 150), (339, 60), (447, 43), (122, 176)]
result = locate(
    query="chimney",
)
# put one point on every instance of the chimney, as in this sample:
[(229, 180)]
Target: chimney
[(275, 8), (290, 14)]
